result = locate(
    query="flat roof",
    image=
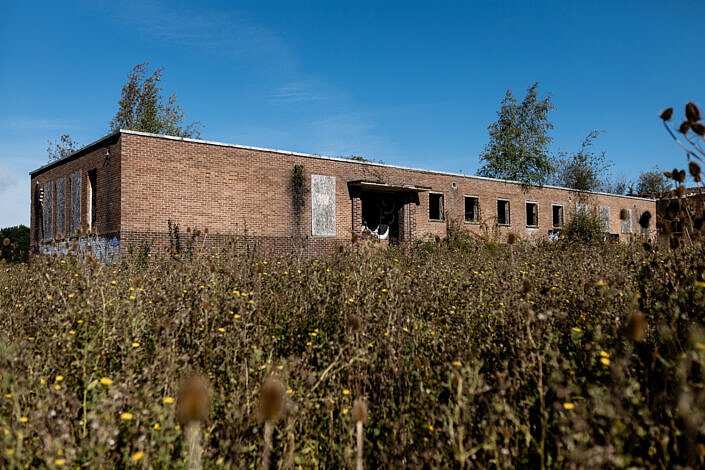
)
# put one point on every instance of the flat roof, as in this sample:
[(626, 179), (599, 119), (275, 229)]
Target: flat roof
[(309, 155)]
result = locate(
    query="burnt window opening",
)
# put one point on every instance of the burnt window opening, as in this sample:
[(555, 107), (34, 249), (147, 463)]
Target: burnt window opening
[(532, 214), (626, 220), (92, 188), (503, 212), (557, 216), (435, 206), (472, 209)]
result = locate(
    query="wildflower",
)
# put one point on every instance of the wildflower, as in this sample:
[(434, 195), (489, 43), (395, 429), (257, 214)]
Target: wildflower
[(59, 378), (137, 456), (49, 297), (135, 345), (568, 406), (59, 462), (601, 283), (113, 282), (106, 381), (604, 354), (699, 346), (157, 426), (168, 400), (126, 416), (222, 330), (23, 419), (72, 332), (699, 284), (344, 411), (8, 395), (457, 363), (346, 392), (605, 361), (237, 315), (70, 296), (132, 297), (431, 428), (576, 329), (57, 387)]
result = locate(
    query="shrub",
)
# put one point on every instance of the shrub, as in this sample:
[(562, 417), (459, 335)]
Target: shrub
[(14, 244), (584, 227)]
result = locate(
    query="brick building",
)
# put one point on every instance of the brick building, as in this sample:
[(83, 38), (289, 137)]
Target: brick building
[(127, 186)]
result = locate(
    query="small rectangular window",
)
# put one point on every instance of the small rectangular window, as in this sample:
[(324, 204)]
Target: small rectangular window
[(503, 212), (472, 209), (435, 206), (532, 214), (557, 216), (605, 218)]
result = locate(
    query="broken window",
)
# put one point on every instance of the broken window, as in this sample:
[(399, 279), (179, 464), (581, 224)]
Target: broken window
[(502, 212), (605, 218), (557, 216), (472, 209), (435, 206), (532, 214), (626, 221), (92, 197)]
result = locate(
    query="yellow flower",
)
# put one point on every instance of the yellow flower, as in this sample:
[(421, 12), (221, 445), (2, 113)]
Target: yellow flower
[(157, 426), (57, 387), (132, 297), (601, 283), (577, 330), (23, 419), (137, 456), (568, 406), (346, 392), (345, 411), (289, 391), (9, 452), (9, 395), (135, 345), (699, 284), (113, 282), (49, 297), (222, 330), (605, 361), (126, 416), (604, 354), (70, 296), (59, 462), (237, 315), (106, 381), (59, 378), (72, 332), (457, 363), (699, 346), (168, 400), (430, 427)]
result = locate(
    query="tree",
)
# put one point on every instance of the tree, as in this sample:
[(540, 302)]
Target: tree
[(583, 170), (143, 108), (61, 148), (652, 183), (617, 185), (14, 244), (519, 140)]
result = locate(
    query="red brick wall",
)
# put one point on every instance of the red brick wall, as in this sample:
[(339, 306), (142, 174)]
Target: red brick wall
[(107, 193), (227, 189)]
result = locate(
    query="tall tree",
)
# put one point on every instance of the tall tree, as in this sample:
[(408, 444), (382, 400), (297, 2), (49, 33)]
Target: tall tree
[(143, 108), (583, 170), (652, 183), (61, 148), (520, 140)]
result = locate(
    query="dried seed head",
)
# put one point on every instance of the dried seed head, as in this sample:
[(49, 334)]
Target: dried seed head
[(79, 232), (438, 239), (681, 176), (271, 398), (6, 242), (355, 237), (694, 169), (684, 128), (698, 128), (192, 403), (645, 219), (138, 282), (59, 235), (636, 327), (211, 267), (692, 113), (666, 115), (525, 286), (359, 411), (356, 323), (623, 214), (668, 174), (511, 238)]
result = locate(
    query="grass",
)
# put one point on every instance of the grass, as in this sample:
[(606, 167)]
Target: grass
[(466, 355)]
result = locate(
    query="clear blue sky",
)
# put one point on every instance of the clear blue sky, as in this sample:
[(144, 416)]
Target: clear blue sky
[(408, 83)]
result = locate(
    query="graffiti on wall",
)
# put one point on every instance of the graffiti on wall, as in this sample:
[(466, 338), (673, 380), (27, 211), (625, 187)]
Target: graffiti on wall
[(104, 249)]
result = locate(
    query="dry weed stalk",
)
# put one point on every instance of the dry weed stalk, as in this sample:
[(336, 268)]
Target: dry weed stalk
[(192, 410), (359, 416), (271, 402)]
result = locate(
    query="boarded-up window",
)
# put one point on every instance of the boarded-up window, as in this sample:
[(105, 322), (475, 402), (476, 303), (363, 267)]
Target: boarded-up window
[(503, 212), (323, 206), (61, 206), (627, 222), (557, 216), (48, 211), (75, 202), (472, 209), (532, 214), (605, 218), (435, 206)]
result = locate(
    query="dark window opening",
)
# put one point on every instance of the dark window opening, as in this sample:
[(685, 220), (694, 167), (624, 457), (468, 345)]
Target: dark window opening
[(557, 216), (435, 206), (532, 214), (503, 212), (472, 209), (92, 188)]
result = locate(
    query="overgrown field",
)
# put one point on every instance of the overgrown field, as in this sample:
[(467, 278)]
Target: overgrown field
[(467, 354)]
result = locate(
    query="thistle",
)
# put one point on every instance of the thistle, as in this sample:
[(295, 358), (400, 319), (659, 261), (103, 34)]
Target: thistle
[(359, 416), (271, 400), (191, 411)]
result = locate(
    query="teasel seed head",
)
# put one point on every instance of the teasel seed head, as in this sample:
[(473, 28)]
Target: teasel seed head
[(635, 329), (6, 242), (271, 399), (645, 219), (511, 238), (694, 169), (192, 403), (359, 411), (692, 113), (356, 323), (666, 115), (698, 128), (623, 214), (684, 127)]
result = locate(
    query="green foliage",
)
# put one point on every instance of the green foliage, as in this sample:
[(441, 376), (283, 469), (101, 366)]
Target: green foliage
[(583, 170), (519, 140), (584, 227), (14, 244), (523, 357), (143, 108), (64, 147), (652, 183)]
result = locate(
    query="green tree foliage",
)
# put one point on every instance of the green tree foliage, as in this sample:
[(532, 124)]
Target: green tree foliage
[(652, 183), (584, 227), (143, 108), (14, 244), (519, 140), (61, 148), (583, 170)]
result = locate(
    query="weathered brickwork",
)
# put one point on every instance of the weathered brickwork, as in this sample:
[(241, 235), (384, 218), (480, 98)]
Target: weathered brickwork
[(245, 194)]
